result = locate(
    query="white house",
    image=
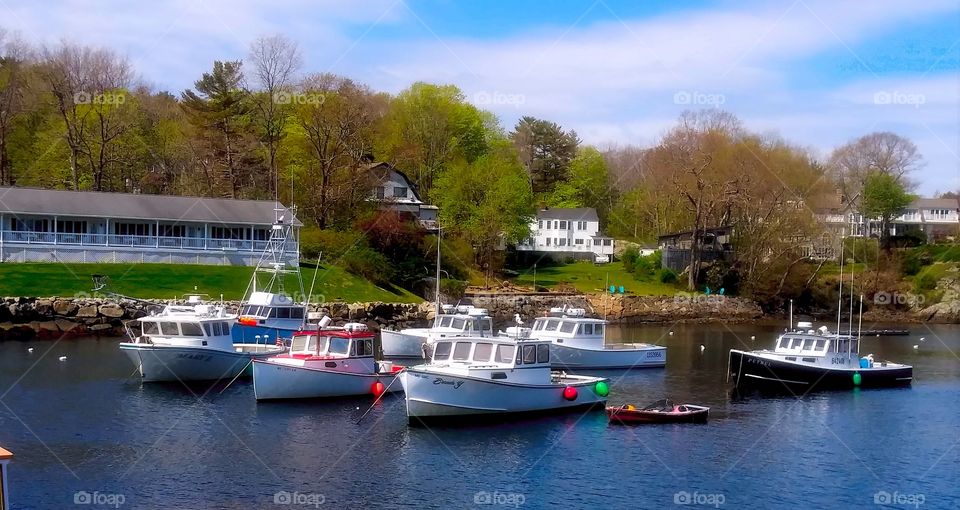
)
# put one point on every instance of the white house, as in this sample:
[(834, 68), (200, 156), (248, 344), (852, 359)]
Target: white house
[(41, 225), (393, 190), (935, 217), (569, 233)]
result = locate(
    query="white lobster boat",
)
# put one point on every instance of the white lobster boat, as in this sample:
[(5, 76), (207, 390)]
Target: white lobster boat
[(472, 376), (190, 343), (328, 362), (452, 322), (579, 343)]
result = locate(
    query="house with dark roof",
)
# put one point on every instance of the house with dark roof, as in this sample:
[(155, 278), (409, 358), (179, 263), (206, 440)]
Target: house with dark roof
[(41, 225), (569, 232), (394, 191)]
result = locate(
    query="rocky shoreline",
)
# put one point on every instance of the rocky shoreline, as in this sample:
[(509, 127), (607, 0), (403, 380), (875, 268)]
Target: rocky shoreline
[(61, 317)]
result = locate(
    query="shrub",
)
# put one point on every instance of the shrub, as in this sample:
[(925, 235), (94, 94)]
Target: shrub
[(334, 244), (666, 275), (629, 259), (368, 263), (453, 289), (925, 282)]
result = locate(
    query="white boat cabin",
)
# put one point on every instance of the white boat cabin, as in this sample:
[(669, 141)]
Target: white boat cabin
[(265, 305), (353, 340), (566, 326), (494, 358), (196, 325), (462, 320), (805, 341)]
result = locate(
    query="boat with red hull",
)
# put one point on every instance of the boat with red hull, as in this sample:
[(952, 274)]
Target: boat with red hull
[(662, 411)]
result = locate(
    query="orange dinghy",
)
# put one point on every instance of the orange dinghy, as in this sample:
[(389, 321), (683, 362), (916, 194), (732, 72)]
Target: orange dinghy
[(661, 411)]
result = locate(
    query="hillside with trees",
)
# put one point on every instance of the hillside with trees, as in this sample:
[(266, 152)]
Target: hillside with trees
[(262, 127)]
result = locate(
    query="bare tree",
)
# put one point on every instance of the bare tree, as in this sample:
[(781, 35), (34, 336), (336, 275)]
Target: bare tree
[(275, 61), (883, 152), (86, 84)]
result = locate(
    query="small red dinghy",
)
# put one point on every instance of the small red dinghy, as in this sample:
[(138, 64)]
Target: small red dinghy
[(661, 411)]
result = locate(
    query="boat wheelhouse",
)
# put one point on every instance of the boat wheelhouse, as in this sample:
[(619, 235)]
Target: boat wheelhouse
[(327, 362), (190, 342), (580, 343), (804, 359), (469, 376), (454, 321)]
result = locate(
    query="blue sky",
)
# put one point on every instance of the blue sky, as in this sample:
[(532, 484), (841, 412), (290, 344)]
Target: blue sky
[(818, 73)]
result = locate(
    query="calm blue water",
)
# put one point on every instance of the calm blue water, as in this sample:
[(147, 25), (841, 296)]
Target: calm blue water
[(85, 424)]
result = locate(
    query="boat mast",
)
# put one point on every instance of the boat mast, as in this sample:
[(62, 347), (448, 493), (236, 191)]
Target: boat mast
[(860, 324), (439, 233)]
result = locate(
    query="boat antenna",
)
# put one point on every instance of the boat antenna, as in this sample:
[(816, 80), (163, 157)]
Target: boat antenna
[(791, 315), (840, 298), (312, 283), (860, 324), (853, 253)]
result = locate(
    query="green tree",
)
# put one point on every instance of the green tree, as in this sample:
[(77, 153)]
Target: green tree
[(546, 152), (488, 202), (884, 197), (429, 127), (586, 185), (219, 110)]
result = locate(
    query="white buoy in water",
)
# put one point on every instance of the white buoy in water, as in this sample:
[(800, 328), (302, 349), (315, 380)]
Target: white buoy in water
[(923, 339), (702, 347), (671, 333), (753, 337), (30, 349), (63, 358), (916, 346)]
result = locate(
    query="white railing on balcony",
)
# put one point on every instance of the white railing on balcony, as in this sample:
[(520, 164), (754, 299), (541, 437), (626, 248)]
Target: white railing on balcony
[(133, 241)]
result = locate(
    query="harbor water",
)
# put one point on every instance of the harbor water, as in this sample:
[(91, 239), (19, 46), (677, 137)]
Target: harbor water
[(88, 434)]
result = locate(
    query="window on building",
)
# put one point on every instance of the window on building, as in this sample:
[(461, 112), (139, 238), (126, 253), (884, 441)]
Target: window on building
[(596, 242), (608, 242), (399, 192), (578, 241), (261, 234), (549, 223), (562, 225), (380, 192), (133, 229), (540, 224), (581, 225), (173, 231), (548, 241), (71, 227), (229, 233), (561, 242), (30, 225)]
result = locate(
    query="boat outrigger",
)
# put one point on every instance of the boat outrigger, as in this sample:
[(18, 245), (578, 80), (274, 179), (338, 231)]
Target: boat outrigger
[(268, 311)]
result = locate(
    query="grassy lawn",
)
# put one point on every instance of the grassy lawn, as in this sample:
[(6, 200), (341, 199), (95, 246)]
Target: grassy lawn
[(589, 277), (164, 281)]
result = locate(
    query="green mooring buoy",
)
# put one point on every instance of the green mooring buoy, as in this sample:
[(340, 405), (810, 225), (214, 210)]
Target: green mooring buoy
[(857, 378)]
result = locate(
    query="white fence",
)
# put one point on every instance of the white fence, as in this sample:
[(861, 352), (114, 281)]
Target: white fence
[(20, 253)]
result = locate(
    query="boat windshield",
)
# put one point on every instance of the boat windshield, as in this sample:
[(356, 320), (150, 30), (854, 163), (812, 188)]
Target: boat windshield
[(169, 328), (568, 327), (339, 345), (482, 352), (151, 328), (504, 353), (303, 343), (442, 351), (442, 322), (458, 323), (190, 329)]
